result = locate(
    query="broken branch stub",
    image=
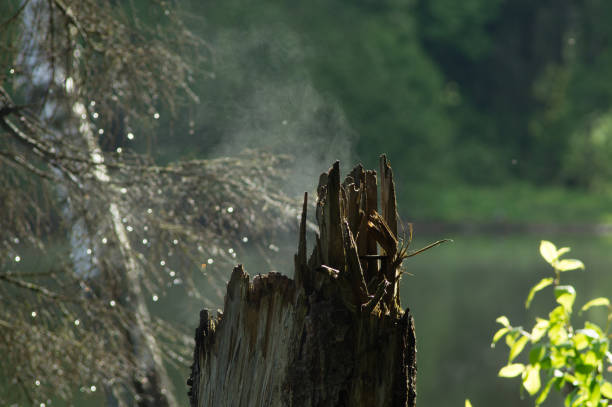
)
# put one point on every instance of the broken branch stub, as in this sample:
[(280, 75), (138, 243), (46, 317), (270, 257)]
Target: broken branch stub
[(336, 334)]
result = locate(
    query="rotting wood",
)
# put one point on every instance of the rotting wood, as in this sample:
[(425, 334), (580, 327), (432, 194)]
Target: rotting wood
[(336, 334)]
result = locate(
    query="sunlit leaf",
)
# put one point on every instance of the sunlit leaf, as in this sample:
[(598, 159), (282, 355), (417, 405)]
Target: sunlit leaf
[(499, 334), (580, 341), (544, 394), (595, 390), (545, 282), (562, 251), (539, 329), (565, 294), (590, 359), (569, 264), (503, 320), (512, 370), (606, 390), (548, 251), (517, 348), (531, 379), (588, 326), (468, 403), (557, 334), (597, 302)]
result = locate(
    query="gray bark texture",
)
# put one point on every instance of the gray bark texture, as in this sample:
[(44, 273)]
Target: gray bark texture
[(336, 334)]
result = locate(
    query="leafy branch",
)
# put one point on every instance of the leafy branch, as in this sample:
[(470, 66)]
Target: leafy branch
[(572, 361)]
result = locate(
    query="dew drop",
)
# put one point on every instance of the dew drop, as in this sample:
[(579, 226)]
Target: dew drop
[(245, 239), (33, 314), (17, 259), (156, 116), (104, 240), (155, 298), (88, 251), (95, 115), (129, 228), (177, 281), (119, 150), (172, 273), (100, 131), (37, 382), (145, 228), (112, 303), (92, 103), (145, 241), (93, 388), (175, 241), (230, 209), (77, 322), (69, 85), (149, 211), (42, 405), (162, 263), (12, 71), (16, 240), (123, 190), (273, 247), (210, 261)]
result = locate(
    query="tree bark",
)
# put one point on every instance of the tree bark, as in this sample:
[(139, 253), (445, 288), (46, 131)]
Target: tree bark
[(335, 335)]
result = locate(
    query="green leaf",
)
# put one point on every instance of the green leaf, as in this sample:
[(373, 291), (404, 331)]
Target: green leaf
[(544, 394), (517, 348), (548, 251), (545, 282), (557, 334), (606, 390), (499, 334), (539, 329), (531, 379), (569, 264), (580, 341), (565, 294), (468, 403), (595, 391), (511, 370), (562, 251), (536, 354), (503, 320), (597, 302), (590, 359)]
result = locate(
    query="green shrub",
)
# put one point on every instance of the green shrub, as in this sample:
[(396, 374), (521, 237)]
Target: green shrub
[(572, 361)]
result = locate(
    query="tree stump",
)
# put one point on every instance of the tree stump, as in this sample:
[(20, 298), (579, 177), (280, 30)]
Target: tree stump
[(335, 335)]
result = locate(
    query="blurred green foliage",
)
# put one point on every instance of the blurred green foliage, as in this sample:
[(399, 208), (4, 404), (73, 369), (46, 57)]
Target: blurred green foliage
[(478, 92)]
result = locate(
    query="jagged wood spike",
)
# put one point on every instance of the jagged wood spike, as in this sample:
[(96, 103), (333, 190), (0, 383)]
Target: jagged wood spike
[(332, 216), (353, 271), (387, 195), (302, 277), (371, 206)]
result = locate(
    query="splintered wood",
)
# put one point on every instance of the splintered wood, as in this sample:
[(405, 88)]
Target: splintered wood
[(336, 334)]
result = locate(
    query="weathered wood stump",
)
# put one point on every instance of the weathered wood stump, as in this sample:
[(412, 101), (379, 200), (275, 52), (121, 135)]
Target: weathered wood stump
[(335, 335)]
